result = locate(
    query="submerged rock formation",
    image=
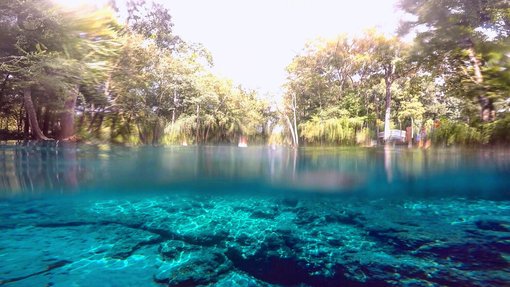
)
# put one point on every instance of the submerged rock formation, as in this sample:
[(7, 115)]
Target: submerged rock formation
[(229, 240)]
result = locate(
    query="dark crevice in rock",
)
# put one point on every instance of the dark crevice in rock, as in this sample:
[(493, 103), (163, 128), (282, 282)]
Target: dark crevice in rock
[(204, 267), (205, 240), (291, 271), (84, 223), (447, 278), (187, 283), (493, 225), (50, 267), (400, 241), (472, 256), (65, 224)]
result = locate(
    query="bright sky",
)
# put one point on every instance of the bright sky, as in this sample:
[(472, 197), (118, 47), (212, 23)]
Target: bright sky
[(252, 41)]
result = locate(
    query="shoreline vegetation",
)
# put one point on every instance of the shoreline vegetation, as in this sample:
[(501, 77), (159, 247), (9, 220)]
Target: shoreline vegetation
[(88, 76)]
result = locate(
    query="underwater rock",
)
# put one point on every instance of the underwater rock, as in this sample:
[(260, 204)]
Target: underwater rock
[(227, 241), (50, 267), (289, 202), (34, 253), (261, 214), (172, 249), (127, 240), (289, 269), (268, 266), (493, 225), (237, 278), (198, 267), (400, 240), (470, 256)]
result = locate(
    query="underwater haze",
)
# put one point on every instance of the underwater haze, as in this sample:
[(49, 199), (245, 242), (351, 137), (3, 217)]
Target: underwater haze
[(103, 215)]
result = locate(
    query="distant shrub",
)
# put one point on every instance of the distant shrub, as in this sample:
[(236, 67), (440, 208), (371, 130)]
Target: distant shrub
[(497, 132), (342, 131), (364, 136), (456, 133)]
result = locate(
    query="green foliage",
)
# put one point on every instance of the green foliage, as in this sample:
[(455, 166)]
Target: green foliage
[(138, 82), (497, 132), (456, 133), (466, 44), (334, 130)]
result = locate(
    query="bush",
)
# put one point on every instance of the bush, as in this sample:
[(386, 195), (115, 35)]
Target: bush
[(342, 131), (498, 132), (456, 133)]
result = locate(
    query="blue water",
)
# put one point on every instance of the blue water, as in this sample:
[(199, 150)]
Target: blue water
[(102, 215)]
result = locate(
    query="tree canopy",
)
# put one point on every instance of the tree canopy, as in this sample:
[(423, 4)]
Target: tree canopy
[(86, 75), (132, 82)]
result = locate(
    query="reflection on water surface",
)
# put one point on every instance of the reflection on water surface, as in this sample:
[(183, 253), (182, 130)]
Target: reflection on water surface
[(38, 168)]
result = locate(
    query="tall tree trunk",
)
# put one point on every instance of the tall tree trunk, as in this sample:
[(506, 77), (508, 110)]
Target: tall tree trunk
[(141, 134), (412, 131), (46, 121), (93, 116), (113, 126), (292, 132), (32, 117), (197, 133), (294, 108), (155, 133), (387, 113), (174, 108), (206, 134), (486, 105), (4, 84), (26, 127), (21, 117), (97, 130), (67, 117), (81, 121), (376, 105), (39, 114)]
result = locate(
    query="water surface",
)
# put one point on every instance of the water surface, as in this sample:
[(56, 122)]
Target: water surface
[(101, 215)]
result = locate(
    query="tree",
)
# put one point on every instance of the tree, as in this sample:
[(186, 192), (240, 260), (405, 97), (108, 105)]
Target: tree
[(344, 75), (458, 39), (137, 81), (53, 52), (389, 63)]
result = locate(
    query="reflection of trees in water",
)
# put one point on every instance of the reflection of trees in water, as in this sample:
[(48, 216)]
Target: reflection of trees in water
[(29, 167), (35, 168), (388, 167)]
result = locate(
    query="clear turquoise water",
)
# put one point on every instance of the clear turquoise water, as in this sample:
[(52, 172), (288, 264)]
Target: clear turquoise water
[(83, 215)]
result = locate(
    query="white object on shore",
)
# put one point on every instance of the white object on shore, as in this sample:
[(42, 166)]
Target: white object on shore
[(243, 142)]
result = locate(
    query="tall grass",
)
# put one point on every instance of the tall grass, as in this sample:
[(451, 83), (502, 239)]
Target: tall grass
[(336, 130), (450, 133)]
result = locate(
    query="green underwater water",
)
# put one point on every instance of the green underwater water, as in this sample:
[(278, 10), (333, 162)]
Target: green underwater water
[(101, 215)]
